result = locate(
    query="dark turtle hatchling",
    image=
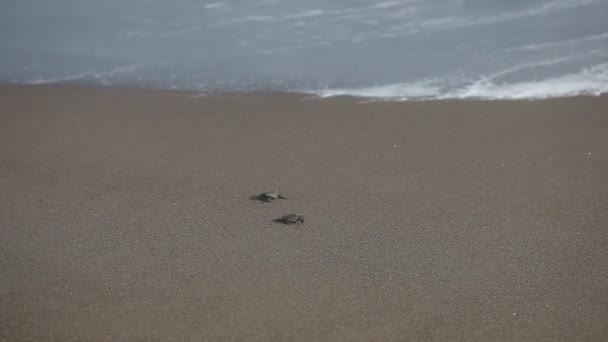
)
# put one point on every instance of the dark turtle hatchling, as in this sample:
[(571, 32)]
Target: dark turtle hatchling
[(291, 219), (269, 196)]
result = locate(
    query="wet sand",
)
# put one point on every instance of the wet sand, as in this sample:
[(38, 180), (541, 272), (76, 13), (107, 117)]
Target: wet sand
[(125, 215)]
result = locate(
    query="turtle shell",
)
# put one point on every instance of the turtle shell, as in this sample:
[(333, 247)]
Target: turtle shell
[(292, 219), (270, 195)]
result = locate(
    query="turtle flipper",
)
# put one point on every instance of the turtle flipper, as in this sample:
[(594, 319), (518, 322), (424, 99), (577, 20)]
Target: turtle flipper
[(282, 197)]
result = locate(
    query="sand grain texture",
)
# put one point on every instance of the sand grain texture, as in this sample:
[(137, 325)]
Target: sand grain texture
[(125, 215)]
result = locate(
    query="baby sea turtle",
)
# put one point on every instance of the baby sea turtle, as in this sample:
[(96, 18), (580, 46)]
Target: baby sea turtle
[(269, 196), (291, 219)]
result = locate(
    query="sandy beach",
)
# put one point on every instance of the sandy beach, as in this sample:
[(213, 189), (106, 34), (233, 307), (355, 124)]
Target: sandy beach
[(125, 216)]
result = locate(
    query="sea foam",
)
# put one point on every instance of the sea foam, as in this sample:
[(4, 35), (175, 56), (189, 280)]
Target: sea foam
[(387, 49), (589, 81)]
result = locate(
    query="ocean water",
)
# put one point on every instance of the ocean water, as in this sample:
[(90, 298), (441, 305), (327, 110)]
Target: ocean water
[(399, 49)]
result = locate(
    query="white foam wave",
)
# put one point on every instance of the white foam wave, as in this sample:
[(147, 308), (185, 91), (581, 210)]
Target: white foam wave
[(589, 81), (426, 88), (100, 76), (539, 46), (530, 65), (352, 12), (456, 22), (215, 5)]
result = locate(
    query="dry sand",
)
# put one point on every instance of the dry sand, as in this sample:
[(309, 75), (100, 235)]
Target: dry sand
[(125, 215)]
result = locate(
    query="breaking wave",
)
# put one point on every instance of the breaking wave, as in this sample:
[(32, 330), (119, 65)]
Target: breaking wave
[(589, 81)]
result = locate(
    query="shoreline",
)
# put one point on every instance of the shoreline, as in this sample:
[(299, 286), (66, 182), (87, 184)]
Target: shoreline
[(125, 215), (298, 94)]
